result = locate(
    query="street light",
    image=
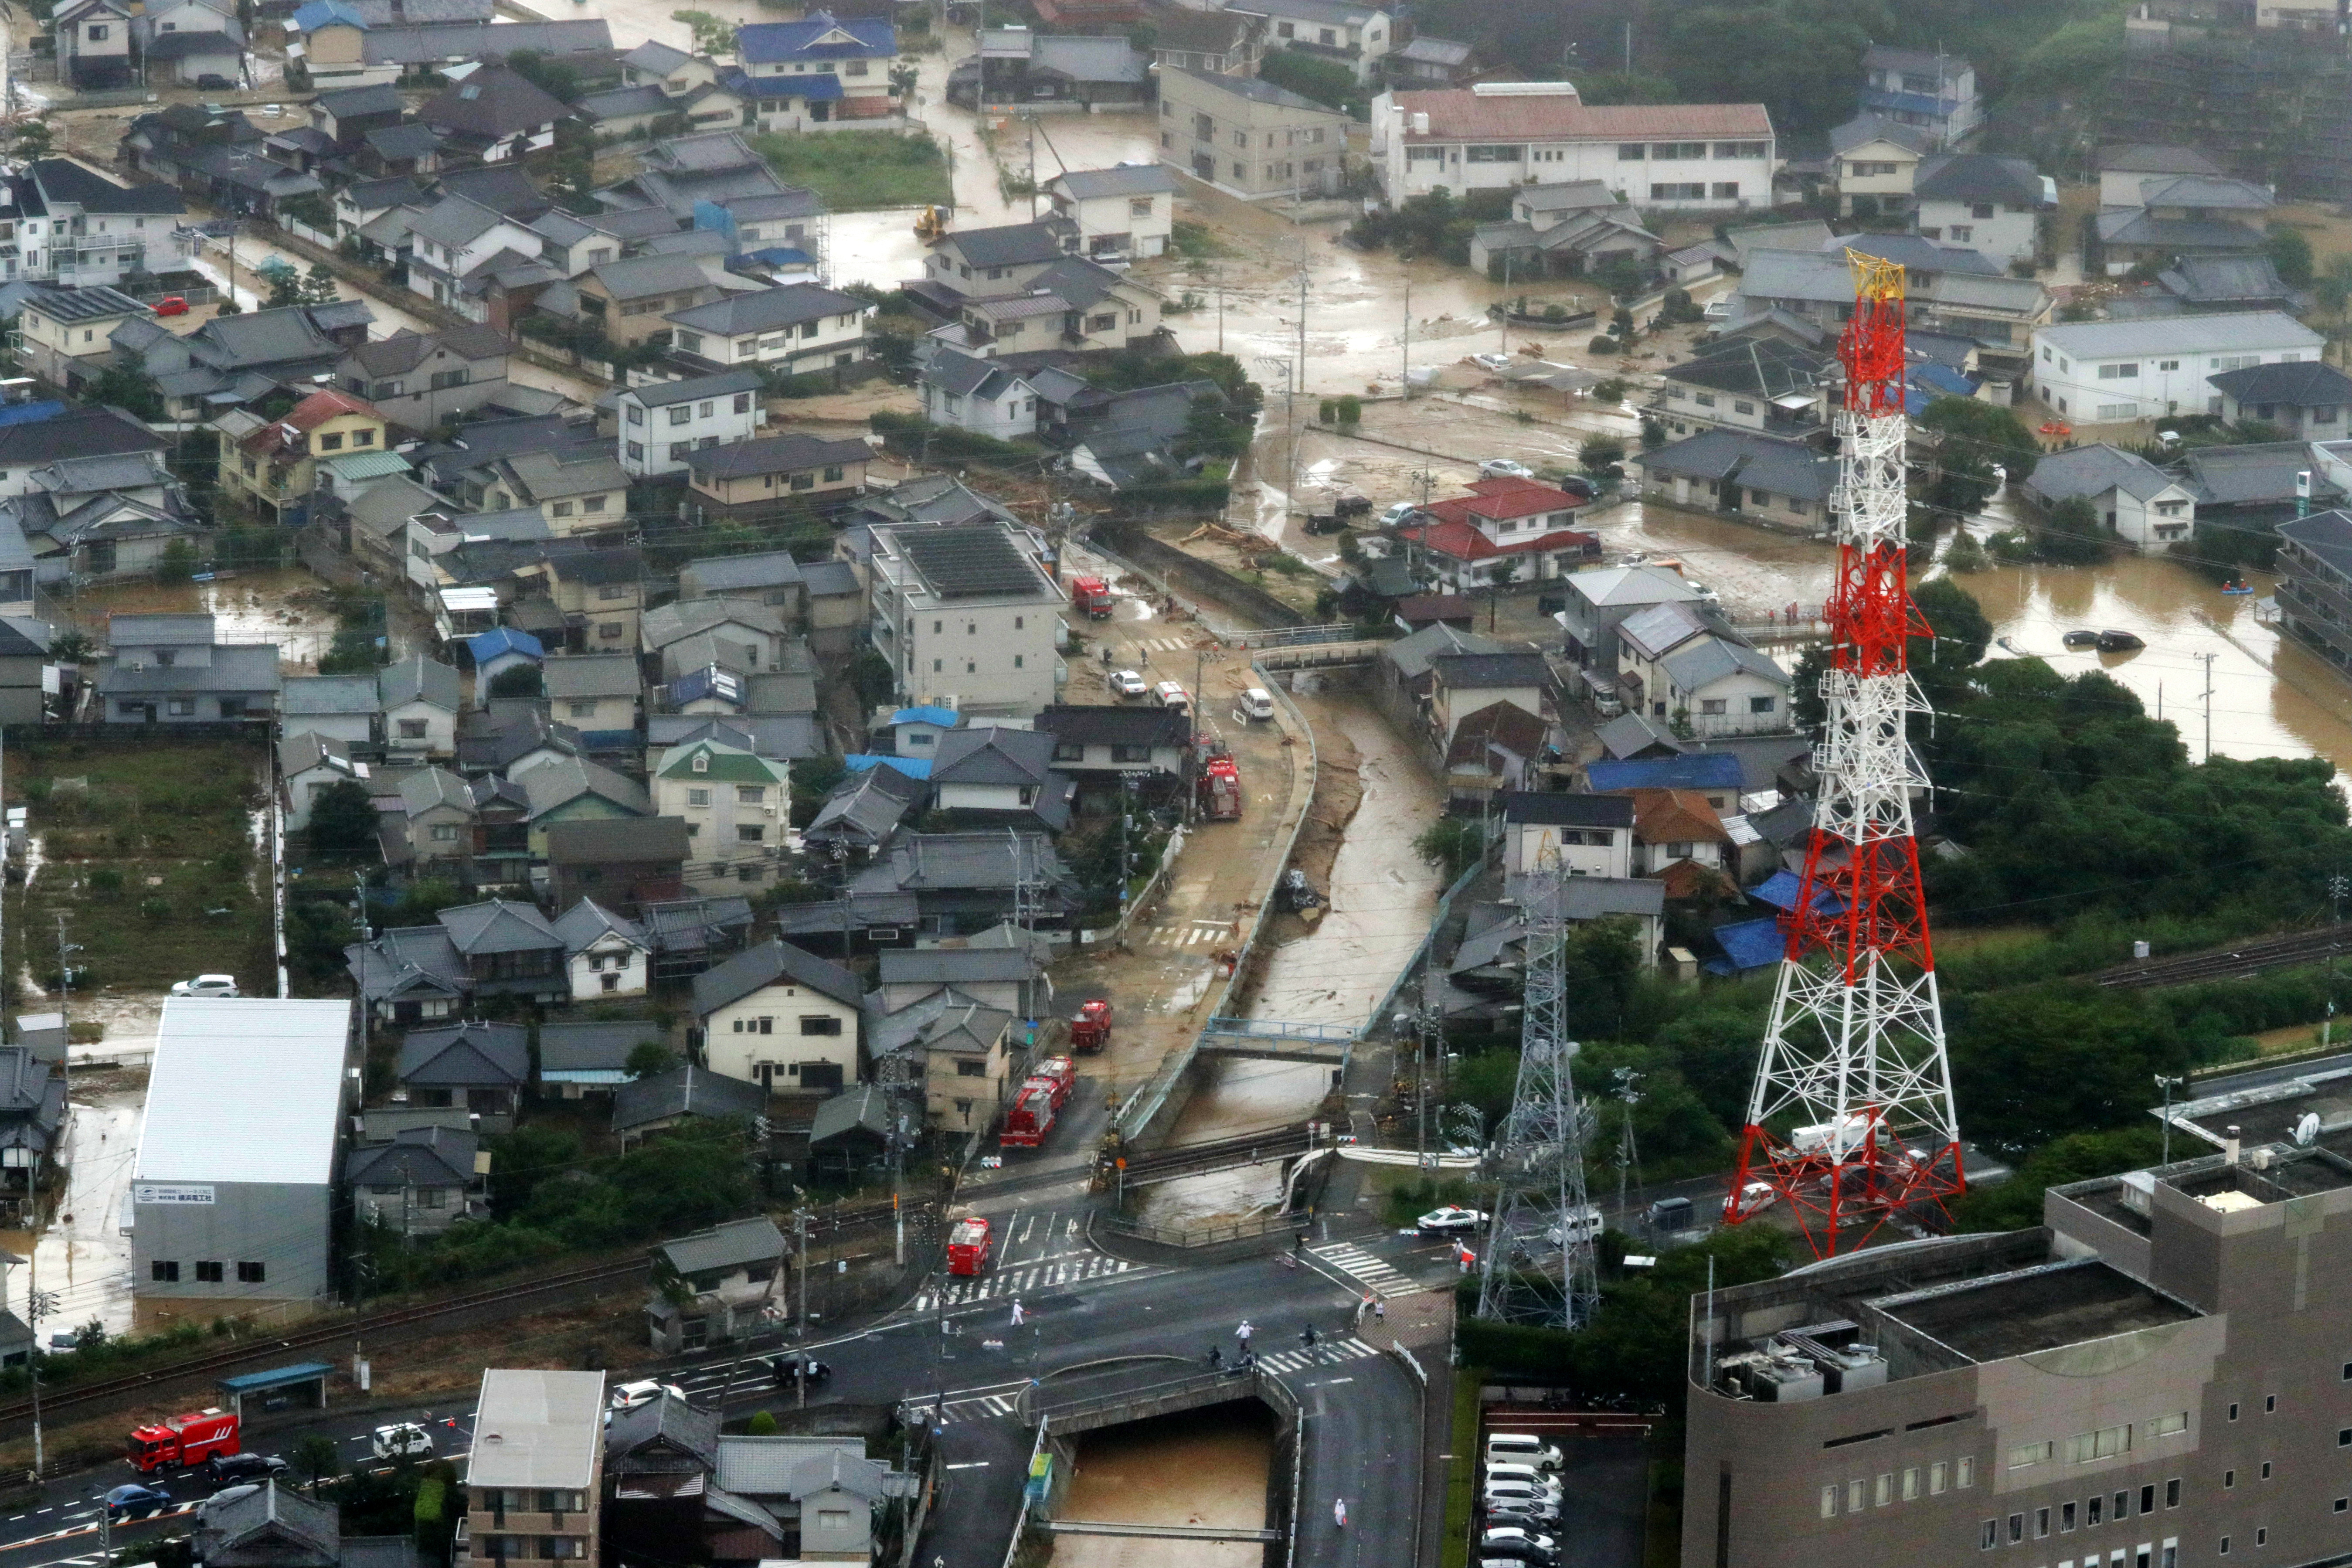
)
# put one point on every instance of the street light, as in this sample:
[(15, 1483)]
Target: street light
[(2167, 1085)]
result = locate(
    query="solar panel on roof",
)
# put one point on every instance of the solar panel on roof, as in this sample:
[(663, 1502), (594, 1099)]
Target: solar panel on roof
[(964, 563)]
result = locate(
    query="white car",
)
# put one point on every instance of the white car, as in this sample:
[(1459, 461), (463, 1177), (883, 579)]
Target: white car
[(1173, 695), (1449, 1221), (206, 986), (401, 1440), (629, 1396), (1258, 703), (1512, 1535), (1399, 513), (1494, 362), (1505, 1473), (1128, 683), (1505, 469)]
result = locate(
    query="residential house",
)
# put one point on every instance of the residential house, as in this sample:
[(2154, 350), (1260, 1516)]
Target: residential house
[(27, 449), (2307, 401), (86, 520), (1949, 289), (1579, 835), (823, 1491), (626, 862), (550, 1455), (1357, 37), (419, 698), (981, 395), (271, 468), (607, 954), (736, 806), (2228, 284), (481, 1068), (492, 116), (456, 239), (837, 608), (422, 381), (309, 765), (2254, 487), (502, 855), (498, 650), (1678, 661), (577, 1059), (987, 774), (336, 706), (741, 635), (506, 949), (1928, 90), (770, 577), (1108, 749), (597, 694), (345, 115), (2125, 171), (191, 43), (409, 974), (270, 1527), (965, 611), (1875, 162), (629, 298), (850, 1136), (573, 789), (661, 424), (2315, 584), (1714, 157), (1122, 214), (799, 328), (2147, 507), (1219, 43), (820, 70), (67, 333), (169, 669), (579, 489), (2185, 215), (1250, 137), (1768, 478), (861, 812), (93, 44), (433, 831), (1129, 438), (781, 1018), (1680, 839), (1462, 686), (1017, 67), (1993, 206), (990, 261), (1568, 229), (945, 885), (421, 1182), (961, 1052), (2110, 371), (1505, 531), (716, 1284), (1431, 61), (1762, 384), (1008, 974), (646, 1107), (235, 360), (599, 592)]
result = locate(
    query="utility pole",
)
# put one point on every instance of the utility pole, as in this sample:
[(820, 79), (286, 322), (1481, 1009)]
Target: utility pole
[(1404, 369), (1298, 380), (2337, 886), (2209, 659), (1221, 307), (2167, 1085), (33, 1304)]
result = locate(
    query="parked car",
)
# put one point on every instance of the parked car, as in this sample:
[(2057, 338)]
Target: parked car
[(1128, 683), (206, 986), (135, 1501), (1492, 361), (629, 1396), (1528, 1515), (229, 1470), (1505, 469), (172, 305), (1173, 695), (1517, 1541), (792, 1367), (1522, 1447), (1501, 1472), (1449, 1221), (401, 1440), (1257, 703)]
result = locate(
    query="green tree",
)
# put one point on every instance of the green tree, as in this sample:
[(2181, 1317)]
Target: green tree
[(761, 1424), (1961, 441), (1329, 82), (316, 1455), (872, 679), (813, 779), (1962, 633), (311, 209), (2072, 534), (319, 287), (178, 563), (1452, 844), (127, 387), (2289, 251), (30, 139), (1597, 454), (649, 1057), (713, 34), (317, 931), (342, 821), (557, 80), (517, 680)]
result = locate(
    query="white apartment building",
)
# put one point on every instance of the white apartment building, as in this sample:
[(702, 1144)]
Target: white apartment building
[(1714, 157), (1122, 214), (1357, 37), (661, 424), (736, 807), (967, 617), (2110, 371)]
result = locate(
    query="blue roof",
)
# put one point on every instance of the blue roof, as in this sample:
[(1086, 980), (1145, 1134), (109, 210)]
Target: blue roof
[(1696, 770), (1779, 890), (761, 42), (822, 88), (1752, 944), (913, 767), (276, 1377), (30, 413), (319, 13), (945, 717), (490, 643)]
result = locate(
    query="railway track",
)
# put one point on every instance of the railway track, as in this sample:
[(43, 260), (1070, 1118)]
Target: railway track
[(2289, 952)]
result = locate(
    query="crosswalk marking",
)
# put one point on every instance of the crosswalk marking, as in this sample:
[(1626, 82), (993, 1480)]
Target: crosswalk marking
[(1359, 1265), (981, 1407), (1323, 1354), (1067, 1271)]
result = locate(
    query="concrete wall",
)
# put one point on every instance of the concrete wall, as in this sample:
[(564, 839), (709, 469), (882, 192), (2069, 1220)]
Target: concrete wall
[(282, 1226)]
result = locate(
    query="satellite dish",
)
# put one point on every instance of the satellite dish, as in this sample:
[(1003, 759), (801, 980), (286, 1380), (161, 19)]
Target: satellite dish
[(2306, 1131)]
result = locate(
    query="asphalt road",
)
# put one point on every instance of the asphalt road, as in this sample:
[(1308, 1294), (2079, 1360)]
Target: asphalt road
[(955, 1348)]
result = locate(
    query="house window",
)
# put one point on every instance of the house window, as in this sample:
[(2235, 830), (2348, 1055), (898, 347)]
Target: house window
[(562, 509), (445, 833), (751, 834), (820, 1023), (331, 443), (1712, 705), (583, 710), (698, 797), (163, 1272), (1759, 704), (209, 1273), (411, 729), (750, 794), (252, 1274), (182, 707)]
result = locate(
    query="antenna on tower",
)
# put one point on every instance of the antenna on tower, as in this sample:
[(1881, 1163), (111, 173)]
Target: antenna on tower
[(1851, 1120), (1538, 1268)]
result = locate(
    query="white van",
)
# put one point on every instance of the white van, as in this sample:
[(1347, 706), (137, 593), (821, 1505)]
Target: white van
[(1585, 1227), (1171, 695), (1258, 704), (1521, 1448), (1514, 1474)]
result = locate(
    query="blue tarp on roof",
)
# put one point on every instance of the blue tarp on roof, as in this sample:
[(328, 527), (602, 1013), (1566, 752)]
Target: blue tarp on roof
[(498, 640), (913, 767), (1698, 770), (1748, 944), (30, 413), (780, 256), (1779, 890), (945, 717), (319, 13)]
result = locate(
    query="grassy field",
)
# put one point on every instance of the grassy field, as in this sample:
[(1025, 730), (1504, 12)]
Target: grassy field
[(858, 173), (147, 849)]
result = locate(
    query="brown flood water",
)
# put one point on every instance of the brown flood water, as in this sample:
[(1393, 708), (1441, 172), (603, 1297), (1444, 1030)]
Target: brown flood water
[(1205, 1466)]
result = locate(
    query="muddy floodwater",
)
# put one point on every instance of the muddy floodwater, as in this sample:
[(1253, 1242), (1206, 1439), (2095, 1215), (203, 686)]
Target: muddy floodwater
[(1204, 1466)]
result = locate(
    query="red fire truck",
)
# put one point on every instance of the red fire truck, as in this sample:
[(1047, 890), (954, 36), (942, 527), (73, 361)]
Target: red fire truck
[(1221, 790), (968, 1246), (1032, 1116), (187, 1439), (1091, 1030), (1091, 594), (1062, 1073)]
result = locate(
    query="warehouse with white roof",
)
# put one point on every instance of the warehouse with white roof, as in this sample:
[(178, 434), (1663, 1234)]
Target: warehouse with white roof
[(232, 1197)]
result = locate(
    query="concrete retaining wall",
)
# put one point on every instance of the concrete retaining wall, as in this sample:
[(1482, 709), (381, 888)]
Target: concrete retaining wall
[(1187, 571)]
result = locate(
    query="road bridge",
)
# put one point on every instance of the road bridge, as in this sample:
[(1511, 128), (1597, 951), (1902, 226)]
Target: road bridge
[(1271, 1039), (1159, 1531)]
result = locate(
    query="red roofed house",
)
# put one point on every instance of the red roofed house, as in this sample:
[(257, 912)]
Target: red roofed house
[(1505, 531), (269, 465), (1672, 826), (1499, 134)]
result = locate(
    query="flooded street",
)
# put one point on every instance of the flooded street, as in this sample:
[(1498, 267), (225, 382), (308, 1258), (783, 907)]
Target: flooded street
[(289, 609), (1205, 1466), (83, 1259)]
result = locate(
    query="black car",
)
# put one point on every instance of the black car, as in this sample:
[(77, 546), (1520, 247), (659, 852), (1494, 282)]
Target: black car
[(229, 1470), (791, 1367)]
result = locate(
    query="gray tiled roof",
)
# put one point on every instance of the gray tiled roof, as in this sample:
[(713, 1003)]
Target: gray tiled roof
[(417, 677), (310, 696), (681, 1092), (590, 675), (2307, 383), (499, 925), (767, 310), (2094, 470), (463, 1054), (766, 964), (1125, 180), (1763, 462), (594, 1046), (588, 922), (727, 1245)]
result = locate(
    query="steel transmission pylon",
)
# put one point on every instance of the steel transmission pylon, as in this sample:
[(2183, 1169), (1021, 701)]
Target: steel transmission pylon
[(1540, 1198), (1852, 1118)]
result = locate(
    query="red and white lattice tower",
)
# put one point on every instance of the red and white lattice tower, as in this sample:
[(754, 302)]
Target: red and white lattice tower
[(1851, 1120)]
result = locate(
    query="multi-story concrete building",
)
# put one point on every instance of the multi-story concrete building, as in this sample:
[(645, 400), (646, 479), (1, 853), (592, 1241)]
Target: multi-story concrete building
[(1249, 137), (2114, 372), (965, 612), (1715, 157), (535, 1480), (736, 807), (2154, 1377), (1934, 93)]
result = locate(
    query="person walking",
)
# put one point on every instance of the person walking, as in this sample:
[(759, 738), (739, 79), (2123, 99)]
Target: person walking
[(1339, 1512), (1380, 1310), (1244, 1333), (1307, 1336), (1216, 1358)]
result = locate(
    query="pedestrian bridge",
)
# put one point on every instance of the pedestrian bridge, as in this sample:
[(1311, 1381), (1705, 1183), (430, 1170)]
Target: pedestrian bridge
[(1271, 1039), (1161, 1531)]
